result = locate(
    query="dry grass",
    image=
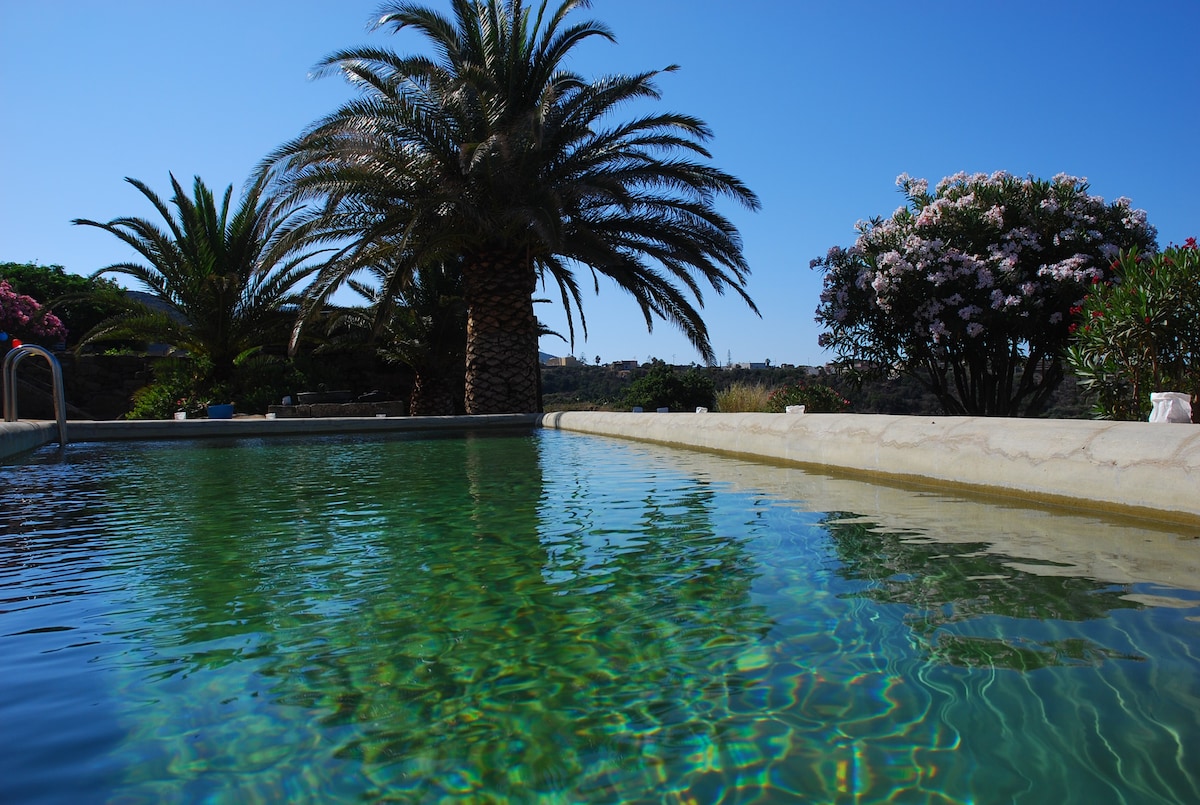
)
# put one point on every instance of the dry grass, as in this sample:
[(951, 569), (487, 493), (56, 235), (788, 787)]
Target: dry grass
[(743, 398)]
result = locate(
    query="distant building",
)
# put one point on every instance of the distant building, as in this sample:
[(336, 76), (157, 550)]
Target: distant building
[(570, 360), (624, 366)]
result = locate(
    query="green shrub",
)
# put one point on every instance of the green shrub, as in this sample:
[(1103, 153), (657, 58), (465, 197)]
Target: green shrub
[(743, 398), (816, 399), (79, 302), (1140, 332), (173, 389), (263, 380), (184, 385), (663, 387)]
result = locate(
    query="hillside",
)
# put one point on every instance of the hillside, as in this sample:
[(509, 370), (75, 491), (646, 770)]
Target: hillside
[(581, 388)]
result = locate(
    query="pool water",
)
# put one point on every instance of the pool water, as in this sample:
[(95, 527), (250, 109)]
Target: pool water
[(559, 618)]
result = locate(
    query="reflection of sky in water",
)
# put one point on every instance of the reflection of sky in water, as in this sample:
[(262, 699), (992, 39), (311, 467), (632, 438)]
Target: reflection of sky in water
[(575, 619)]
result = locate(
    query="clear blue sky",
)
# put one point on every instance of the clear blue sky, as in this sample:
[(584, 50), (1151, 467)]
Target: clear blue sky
[(817, 106)]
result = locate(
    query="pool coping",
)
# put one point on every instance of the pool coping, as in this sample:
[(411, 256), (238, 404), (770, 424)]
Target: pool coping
[(1149, 471)]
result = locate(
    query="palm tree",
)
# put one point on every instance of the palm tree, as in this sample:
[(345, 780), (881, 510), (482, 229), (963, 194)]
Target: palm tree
[(495, 154), (220, 278)]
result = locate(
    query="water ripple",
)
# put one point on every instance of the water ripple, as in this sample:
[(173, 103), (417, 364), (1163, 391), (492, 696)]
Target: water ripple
[(558, 619)]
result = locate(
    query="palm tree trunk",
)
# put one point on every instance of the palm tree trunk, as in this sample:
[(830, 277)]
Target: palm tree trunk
[(433, 393), (502, 333)]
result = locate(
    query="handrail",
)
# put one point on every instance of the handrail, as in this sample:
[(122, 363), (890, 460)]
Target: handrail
[(11, 361)]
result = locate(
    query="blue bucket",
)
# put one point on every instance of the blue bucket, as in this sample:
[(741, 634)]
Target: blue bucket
[(221, 411)]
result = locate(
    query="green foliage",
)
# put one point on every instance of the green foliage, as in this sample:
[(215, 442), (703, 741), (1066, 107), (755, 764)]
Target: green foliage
[(262, 380), (220, 275), (743, 398), (575, 388), (182, 384), (80, 302), (590, 388), (663, 387), (904, 394), (42, 282), (968, 288), (417, 319), (174, 388), (160, 401), (815, 397), (1140, 332)]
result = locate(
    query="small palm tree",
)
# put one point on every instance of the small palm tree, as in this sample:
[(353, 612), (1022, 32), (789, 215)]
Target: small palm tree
[(422, 325), (221, 279), (495, 154)]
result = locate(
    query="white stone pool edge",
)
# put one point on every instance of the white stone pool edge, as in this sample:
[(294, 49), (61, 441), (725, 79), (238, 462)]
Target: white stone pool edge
[(1135, 468)]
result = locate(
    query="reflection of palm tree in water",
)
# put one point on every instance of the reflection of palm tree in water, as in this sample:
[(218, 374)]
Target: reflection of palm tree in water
[(561, 671), (431, 606), (946, 584)]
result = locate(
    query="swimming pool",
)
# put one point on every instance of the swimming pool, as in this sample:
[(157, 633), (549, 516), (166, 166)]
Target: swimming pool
[(564, 618)]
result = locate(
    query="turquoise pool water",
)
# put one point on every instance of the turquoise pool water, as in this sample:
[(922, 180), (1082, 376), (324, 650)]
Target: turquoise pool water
[(561, 618)]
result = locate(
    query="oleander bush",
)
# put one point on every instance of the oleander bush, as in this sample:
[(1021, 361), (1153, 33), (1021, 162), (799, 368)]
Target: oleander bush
[(968, 288), (1139, 332), (24, 318)]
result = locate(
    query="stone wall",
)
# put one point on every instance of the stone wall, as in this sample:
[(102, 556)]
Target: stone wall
[(102, 386), (96, 386), (386, 408)]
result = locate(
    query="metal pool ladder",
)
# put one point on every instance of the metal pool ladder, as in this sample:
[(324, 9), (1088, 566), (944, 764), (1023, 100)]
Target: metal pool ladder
[(11, 361)]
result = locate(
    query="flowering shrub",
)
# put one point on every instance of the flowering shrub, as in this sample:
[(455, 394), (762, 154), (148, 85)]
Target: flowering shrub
[(816, 399), (22, 317), (80, 303), (1140, 332), (969, 288)]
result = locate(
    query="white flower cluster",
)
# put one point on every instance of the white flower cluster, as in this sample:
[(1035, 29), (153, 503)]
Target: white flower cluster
[(912, 187), (1076, 268)]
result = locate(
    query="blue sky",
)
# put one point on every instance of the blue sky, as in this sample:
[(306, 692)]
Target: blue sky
[(817, 106)]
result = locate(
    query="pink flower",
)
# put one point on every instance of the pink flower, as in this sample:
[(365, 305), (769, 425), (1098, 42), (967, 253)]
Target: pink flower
[(23, 315)]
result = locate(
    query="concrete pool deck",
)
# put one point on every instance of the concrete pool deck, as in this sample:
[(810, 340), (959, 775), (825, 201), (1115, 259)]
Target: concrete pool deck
[(1134, 468)]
